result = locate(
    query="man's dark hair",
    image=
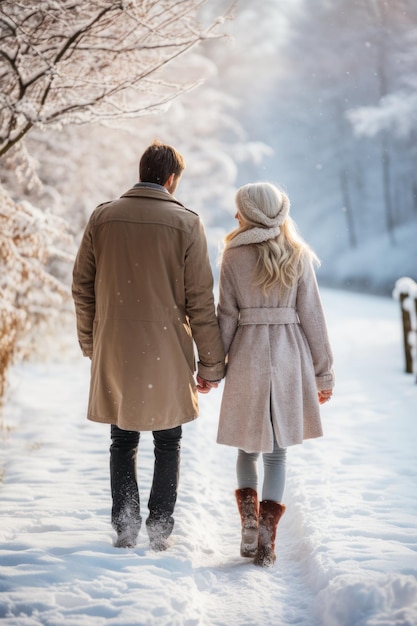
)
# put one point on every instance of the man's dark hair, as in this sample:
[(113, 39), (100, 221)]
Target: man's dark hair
[(158, 162)]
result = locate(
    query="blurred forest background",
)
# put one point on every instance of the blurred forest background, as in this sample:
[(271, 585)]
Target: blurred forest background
[(317, 96)]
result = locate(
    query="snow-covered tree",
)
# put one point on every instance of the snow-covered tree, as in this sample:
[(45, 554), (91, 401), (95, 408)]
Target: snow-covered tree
[(72, 61), (337, 56), (395, 112)]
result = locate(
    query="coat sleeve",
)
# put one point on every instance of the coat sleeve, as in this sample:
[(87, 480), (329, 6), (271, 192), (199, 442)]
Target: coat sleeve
[(200, 307), (227, 310), (83, 293), (313, 322)]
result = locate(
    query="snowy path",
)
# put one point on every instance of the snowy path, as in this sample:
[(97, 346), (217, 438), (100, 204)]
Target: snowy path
[(57, 539), (347, 544)]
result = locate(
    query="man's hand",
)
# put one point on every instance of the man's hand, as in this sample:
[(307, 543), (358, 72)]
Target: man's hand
[(204, 386)]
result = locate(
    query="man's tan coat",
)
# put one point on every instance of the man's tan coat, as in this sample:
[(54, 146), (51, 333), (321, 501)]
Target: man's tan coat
[(279, 356), (143, 290)]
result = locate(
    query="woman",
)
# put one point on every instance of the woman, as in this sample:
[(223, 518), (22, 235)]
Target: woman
[(280, 364)]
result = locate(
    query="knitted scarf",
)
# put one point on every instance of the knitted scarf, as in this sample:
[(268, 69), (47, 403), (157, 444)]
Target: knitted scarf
[(253, 235)]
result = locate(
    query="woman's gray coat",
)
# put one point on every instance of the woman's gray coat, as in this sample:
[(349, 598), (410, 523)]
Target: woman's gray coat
[(279, 356)]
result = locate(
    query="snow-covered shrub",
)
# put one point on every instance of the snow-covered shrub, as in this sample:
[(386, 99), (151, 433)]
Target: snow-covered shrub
[(29, 293)]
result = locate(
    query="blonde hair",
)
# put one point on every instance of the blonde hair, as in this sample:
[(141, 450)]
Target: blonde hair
[(280, 260)]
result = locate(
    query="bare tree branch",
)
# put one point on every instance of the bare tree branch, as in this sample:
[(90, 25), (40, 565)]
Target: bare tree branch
[(71, 61)]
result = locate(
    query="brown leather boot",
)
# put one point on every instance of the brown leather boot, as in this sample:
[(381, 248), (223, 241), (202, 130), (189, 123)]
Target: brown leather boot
[(248, 505), (269, 515)]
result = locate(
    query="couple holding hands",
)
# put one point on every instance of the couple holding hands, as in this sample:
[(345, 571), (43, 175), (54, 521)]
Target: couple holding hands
[(143, 294)]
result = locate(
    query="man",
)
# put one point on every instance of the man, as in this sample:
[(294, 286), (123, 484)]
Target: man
[(143, 293)]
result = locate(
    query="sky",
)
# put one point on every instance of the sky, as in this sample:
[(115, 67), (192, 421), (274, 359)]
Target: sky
[(346, 546)]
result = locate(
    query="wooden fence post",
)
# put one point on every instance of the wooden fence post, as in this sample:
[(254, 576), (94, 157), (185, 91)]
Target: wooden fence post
[(406, 320), (406, 293), (414, 347)]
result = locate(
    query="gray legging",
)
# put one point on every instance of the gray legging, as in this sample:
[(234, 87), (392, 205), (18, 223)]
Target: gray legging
[(274, 472)]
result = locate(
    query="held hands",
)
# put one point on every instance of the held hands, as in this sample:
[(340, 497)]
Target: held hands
[(325, 395), (204, 386)]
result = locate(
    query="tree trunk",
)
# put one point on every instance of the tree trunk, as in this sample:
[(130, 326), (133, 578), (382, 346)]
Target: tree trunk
[(386, 188), (347, 208)]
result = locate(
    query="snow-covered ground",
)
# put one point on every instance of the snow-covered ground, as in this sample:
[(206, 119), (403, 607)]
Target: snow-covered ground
[(347, 546)]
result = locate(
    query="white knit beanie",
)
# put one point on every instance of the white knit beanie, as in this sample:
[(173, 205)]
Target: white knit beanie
[(263, 204)]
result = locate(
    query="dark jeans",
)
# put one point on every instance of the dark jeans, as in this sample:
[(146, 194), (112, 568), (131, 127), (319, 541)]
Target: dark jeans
[(123, 477)]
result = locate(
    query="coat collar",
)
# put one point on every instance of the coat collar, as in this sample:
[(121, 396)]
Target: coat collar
[(145, 191), (150, 186)]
